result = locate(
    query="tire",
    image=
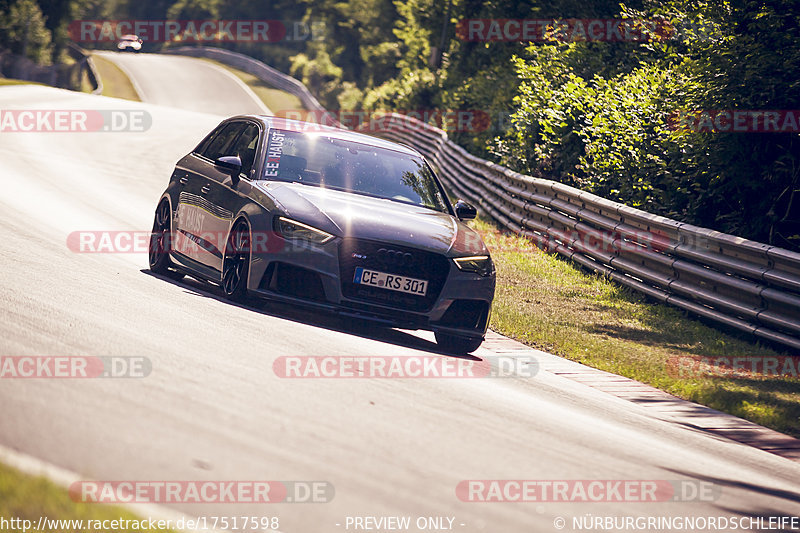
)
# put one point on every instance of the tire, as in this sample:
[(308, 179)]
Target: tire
[(161, 243), (454, 344), (236, 265)]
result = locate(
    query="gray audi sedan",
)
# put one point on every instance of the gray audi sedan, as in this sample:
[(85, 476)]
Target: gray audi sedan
[(326, 218)]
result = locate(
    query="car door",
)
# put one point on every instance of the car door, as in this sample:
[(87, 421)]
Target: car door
[(197, 218), (228, 195)]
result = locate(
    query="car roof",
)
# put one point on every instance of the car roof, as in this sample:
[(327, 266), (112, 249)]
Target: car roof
[(330, 131), (129, 37)]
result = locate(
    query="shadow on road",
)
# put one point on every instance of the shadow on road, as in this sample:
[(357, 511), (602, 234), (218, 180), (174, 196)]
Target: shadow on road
[(314, 318), (788, 499)]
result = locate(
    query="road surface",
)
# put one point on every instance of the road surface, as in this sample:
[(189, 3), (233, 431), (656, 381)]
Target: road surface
[(213, 409), (187, 83)]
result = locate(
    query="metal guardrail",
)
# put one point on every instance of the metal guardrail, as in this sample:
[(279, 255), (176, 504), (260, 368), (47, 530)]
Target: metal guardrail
[(64, 75), (85, 61), (746, 285)]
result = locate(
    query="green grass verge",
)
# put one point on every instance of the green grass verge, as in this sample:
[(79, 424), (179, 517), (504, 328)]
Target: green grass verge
[(276, 100), (86, 85), (12, 81), (549, 303), (29, 497), (115, 82)]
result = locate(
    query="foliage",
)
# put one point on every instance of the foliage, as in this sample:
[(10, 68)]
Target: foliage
[(194, 10), (607, 128), (597, 115), (25, 31)]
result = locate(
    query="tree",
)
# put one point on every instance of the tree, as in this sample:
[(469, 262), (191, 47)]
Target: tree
[(27, 33), (194, 10), (596, 116)]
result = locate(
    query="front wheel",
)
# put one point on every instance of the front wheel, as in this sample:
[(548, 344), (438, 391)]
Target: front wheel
[(237, 263), (457, 345), (161, 243)]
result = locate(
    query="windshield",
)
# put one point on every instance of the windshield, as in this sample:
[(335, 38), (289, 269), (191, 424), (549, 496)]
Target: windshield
[(316, 160)]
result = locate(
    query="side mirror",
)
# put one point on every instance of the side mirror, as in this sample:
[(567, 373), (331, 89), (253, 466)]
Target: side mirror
[(230, 164), (465, 211)]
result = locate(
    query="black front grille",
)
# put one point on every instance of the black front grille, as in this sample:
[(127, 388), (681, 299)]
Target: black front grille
[(392, 259)]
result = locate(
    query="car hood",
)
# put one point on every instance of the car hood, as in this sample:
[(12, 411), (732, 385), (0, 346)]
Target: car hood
[(363, 217)]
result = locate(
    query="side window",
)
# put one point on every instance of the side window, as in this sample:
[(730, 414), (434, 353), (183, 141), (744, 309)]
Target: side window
[(220, 143), (245, 147)]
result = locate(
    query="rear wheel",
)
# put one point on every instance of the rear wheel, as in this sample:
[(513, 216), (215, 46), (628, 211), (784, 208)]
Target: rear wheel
[(455, 344), (161, 243), (237, 263)]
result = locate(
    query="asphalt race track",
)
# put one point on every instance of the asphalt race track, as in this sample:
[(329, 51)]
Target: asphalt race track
[(213, 409), (187, 83)]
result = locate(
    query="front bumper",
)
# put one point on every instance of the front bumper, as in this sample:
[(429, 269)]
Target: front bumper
[(320, 277)]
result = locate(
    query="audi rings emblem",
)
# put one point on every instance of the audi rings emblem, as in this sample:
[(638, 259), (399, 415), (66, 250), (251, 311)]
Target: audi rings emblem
[(394, 257)]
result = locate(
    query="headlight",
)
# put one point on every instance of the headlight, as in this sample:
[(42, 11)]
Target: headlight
[(297, 231), (479, 264)]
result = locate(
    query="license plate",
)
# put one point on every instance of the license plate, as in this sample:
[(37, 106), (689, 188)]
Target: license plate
[(393, 282)]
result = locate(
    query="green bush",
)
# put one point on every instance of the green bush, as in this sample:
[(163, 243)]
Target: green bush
[(611, 136), (604, 122), (25, 32)]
